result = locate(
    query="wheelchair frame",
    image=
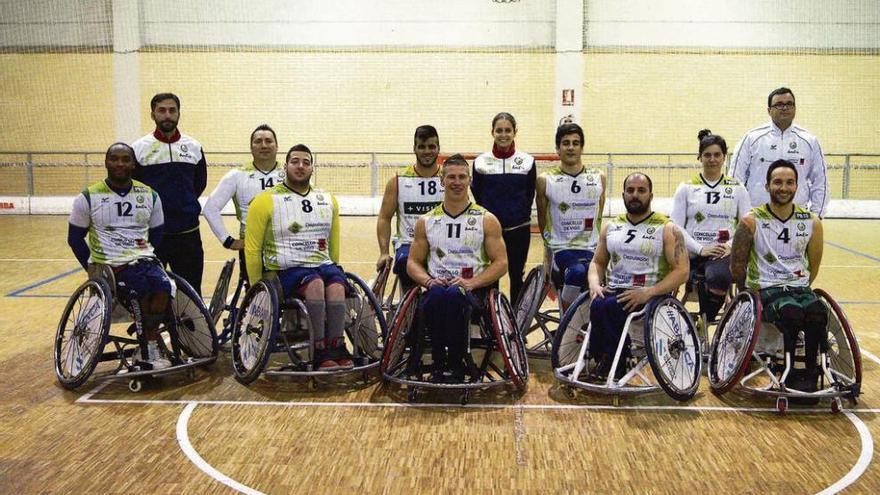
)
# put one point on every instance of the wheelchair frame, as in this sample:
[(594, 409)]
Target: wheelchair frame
[(758, 372), (397, 357), (634, 381), (101, 284), (530, 317), (264, 335)]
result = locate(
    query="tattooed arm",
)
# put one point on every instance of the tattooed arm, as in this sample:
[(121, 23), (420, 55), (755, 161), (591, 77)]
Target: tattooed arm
[(743, 240)]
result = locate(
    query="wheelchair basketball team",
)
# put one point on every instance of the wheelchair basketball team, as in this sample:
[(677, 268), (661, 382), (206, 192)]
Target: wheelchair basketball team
[(749, 245)]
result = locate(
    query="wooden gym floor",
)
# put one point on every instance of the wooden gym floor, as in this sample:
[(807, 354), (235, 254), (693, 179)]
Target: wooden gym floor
[(214, 435)]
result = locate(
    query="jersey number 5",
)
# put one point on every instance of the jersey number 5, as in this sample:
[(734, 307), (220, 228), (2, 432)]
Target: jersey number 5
[(630, 235)]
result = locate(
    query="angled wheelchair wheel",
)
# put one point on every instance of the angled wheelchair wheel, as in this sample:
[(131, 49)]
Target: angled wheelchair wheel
[(221, 291), (510, 344), (529, 320), (734, 342), (254, 332), (195, 325), (365, 323), (843, 349), (673, 348), (381, 280), (572, 332), (82, 331), (394, 356)]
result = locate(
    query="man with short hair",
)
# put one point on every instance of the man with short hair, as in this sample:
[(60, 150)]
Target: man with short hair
[(410, 194), (174, 165), (293, 230), (777, 250), (123, 221), (570, 199), (641, 254), (457, 251), (781, 139), (241, 185)]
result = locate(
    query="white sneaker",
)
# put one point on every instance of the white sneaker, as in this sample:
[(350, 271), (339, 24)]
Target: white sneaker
[(155, 357)]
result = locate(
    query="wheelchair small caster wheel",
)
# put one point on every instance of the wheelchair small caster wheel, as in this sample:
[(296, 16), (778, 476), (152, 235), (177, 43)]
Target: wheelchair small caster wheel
[(366, 378), (191, 374), (615, 400), (311, 385), (465, 397), (135, 385), (782, 404), (569, 392), (412, 394), (836, 405)]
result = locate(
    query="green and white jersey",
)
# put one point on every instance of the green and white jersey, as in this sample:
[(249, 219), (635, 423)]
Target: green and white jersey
[(296, 230), (636, 252), (416, 195), (241, 185), (709, 213), (455, 244), (779, 252), (573, 220), (118, 224)]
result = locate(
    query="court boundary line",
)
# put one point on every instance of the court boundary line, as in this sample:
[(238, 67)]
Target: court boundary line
[(853, 251), (18, 292), (861, 465)]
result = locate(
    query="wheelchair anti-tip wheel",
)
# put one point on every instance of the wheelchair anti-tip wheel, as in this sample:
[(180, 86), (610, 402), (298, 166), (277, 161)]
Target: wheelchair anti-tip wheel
[(82, 331), (673, 348), (254, 331)]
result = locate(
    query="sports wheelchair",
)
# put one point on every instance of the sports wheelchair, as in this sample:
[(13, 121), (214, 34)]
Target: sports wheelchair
[(379, 287), (83, 335), (664, 352), (500, 357), (274, 334), (220, 303), (533, 320), (695, 284), (749, 355)]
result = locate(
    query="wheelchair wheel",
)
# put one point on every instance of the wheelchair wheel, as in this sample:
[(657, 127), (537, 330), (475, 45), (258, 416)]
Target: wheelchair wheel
[(82, 331), (572, 331), (673, 348), (531, 297), (378, 287), (393, 355), (843, 349), (509, 340), (254, 332), (734, 341), (221, 291), (195, 326), (365, 324)]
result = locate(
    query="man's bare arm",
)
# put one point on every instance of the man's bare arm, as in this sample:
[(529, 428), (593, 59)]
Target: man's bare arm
[(743, 239)]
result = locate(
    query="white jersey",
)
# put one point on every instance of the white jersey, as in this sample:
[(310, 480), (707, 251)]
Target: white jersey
[(709, 213), (118, 224), (416, 195), (241, 185), (299, 229), (455, 244), (779, 252), (636, 251), (765, 144), (573, 217)]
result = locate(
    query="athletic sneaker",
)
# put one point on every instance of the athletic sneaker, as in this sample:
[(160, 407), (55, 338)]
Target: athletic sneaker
[(342, 357), (155, 357)]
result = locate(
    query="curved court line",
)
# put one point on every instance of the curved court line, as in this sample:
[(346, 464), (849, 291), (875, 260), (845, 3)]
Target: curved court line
[(862, 463), (864, 458), (195, 458), (869, 355)]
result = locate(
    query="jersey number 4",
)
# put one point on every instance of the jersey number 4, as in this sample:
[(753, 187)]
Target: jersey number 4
[(783, 236), (123, 209)]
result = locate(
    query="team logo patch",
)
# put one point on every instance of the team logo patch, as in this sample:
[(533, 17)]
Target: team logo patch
[(472, 221), (615, 258), (723, 235), (769, 258), (588, 224), (728, 190), (639, 280), (183, 148), (320, 197), (651, 230), (793, 145), (440, 253), (563, 207), (467, 272), (322, 244), (518, 160), (295, 227), (772, 147), (699, 217), (801, 226), (140, 199)]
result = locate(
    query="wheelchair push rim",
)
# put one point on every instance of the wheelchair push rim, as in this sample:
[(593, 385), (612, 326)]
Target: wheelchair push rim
[(734, 342), (194, 323), (84, 333), (509, 340), (844, 327), (570, 335), (394, 353), (673, 348), (527, 314), (221, 291), (256, 326)]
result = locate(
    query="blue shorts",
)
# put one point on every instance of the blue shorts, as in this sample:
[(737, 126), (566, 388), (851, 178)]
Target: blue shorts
[(570, 267), (141, 279), (401, 256), (294, 279)]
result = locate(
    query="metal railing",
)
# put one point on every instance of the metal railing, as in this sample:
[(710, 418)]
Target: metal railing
[(30, 173)]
